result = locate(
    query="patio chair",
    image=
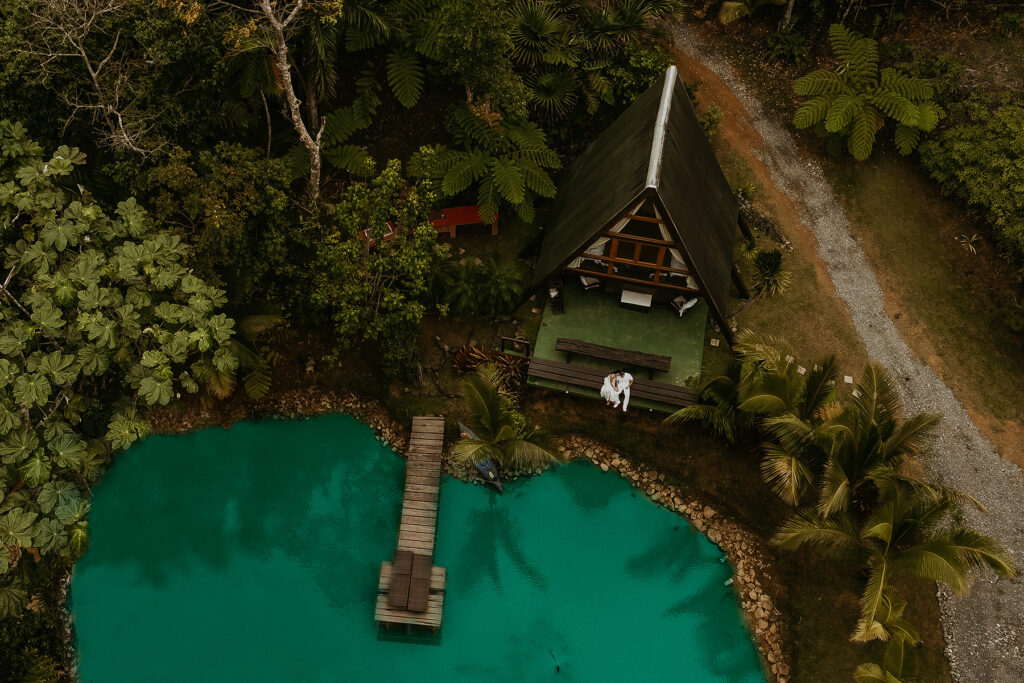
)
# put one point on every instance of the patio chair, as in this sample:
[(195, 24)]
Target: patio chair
[(681, 304)]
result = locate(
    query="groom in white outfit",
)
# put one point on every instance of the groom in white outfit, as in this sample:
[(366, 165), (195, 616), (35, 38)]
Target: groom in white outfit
[(623, 384)]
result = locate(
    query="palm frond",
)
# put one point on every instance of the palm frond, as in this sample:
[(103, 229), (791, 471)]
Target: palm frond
[(786, 473), (835, 536), (873, 605)]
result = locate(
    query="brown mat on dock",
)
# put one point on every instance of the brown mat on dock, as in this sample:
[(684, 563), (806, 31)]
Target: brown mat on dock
[(419, 586)]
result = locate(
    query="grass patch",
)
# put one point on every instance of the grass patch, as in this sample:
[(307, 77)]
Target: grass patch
[(945, 299)]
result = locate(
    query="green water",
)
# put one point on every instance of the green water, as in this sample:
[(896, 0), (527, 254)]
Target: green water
[(252, 554)]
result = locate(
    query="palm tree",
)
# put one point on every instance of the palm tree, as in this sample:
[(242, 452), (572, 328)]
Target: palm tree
[(795, 406), (500, 430), (899, 665), (719, 392), (909, 534), (869, 441)]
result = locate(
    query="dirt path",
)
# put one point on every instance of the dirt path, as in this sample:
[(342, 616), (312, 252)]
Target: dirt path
[(985, 630)]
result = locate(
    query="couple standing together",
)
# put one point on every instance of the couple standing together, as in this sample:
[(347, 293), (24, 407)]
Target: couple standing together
[(615, 385)]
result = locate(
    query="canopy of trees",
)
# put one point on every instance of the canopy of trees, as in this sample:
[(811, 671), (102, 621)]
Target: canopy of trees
[(99, 316)]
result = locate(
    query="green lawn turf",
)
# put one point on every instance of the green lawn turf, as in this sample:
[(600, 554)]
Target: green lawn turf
[(601, 320)]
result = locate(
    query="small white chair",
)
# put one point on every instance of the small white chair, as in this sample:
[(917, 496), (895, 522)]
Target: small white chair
[(681, 304)]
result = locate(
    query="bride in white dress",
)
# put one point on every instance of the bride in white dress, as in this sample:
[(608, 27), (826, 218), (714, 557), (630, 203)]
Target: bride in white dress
[(610, 390)]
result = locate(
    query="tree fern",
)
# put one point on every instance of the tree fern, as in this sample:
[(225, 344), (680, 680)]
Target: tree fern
[(855, 99), (405, 76), (863, 129), (352, 158), (820, 82), (841, 112), (536, 179), (906, 139), (465, 169), (508, 178), (811, 112), (257, 382)]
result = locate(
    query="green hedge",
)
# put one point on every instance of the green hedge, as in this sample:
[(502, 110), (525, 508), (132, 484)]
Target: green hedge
[(980, 160)]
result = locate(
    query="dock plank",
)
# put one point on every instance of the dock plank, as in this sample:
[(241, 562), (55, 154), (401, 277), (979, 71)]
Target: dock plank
[(422, 600)]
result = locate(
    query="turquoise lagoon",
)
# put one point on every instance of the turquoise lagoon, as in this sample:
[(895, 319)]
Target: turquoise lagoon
[(252, 554)]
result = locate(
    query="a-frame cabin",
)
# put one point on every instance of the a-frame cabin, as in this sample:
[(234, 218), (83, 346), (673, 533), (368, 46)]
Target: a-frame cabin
[(646, 210)]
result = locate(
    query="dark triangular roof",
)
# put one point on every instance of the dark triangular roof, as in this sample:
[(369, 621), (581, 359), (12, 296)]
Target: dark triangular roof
[(656, 149)]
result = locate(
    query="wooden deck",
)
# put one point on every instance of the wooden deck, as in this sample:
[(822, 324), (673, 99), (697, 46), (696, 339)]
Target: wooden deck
[(421, 594)]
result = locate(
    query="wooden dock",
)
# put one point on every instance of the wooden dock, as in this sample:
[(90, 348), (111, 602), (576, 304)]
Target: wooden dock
[(410, 591)]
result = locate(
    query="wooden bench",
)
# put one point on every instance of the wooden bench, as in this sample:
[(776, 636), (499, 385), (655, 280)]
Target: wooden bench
[(589, 378), (446, 221), (649, 361)]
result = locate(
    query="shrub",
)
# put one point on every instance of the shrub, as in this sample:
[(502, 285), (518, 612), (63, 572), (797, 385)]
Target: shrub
[(981, 161), (710, 120), (770, 276), (855, 99), (789, 47)]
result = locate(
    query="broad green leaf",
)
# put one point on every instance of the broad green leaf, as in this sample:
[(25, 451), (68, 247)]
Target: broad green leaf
[(67, 450), (59, 234), (221, 327), (35, 469), (225, 361), (154, 358), (57, 493), (32, 389), (73, 511), (78, 539), (58, 367), (13, 599), (50, 536), (125, 428), (155, 389), (18, 445), (94, 360), (48, 317), (9, 417), (17, 528), (7, 372)]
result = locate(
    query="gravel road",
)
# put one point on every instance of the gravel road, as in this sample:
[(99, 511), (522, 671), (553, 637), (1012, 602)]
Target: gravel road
[(984, 630)]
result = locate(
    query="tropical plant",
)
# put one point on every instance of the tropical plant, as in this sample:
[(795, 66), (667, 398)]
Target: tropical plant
[(255, 357), (489, 287), (500, 430), (506, 159), (770, 275), (899, 664), (233, 204), (854, 100), (731, 10), (978, 161), (508, 370), (373, 290), (909, 534), (571, 48), (788, 46), (98, 317), (719, 392), (869, 441)]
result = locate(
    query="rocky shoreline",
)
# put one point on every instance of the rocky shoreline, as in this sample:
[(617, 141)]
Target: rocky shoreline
[(746, 552)]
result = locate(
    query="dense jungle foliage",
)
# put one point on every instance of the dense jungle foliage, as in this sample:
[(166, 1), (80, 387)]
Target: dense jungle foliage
[(270, 163), (179, 178)]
